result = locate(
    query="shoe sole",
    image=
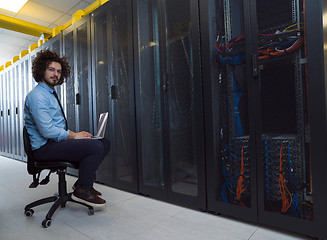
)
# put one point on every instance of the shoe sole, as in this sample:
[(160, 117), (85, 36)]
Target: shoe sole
[(86, 202)]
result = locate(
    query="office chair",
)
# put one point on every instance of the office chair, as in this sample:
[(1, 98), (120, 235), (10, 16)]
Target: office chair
[(35, 168)]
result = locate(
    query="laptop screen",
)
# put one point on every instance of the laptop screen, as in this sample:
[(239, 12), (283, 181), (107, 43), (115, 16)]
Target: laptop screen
[(102, 124)]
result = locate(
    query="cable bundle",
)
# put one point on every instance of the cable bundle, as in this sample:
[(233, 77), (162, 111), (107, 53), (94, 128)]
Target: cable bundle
[(232, 53), (235, 170), (269, 45)]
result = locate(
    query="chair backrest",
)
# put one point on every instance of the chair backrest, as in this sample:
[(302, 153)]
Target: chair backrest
[(28, 150)]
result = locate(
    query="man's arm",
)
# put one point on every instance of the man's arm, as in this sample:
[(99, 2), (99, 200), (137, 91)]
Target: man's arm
[(38, 105)]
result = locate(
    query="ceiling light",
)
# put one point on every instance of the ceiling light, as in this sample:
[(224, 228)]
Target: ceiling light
[(12, 5)]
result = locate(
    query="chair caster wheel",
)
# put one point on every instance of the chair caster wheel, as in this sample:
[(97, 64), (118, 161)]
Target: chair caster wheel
[(91, 212), (46, 223), (29, 212)]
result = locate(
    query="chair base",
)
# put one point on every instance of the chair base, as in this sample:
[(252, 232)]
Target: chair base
[(60, 200)]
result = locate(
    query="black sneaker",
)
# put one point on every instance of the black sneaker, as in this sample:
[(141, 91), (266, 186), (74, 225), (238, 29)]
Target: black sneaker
[(93, 191), (86, 196)]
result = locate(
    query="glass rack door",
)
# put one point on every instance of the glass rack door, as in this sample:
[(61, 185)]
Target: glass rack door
[(183, 108), (120, 60), (2, 109), (83, 75), (232, 160), (285, 174), (113, 90), (149, 100), (100, 85)]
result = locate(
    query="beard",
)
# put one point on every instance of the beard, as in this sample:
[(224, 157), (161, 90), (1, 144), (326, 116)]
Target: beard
[(52, 82)]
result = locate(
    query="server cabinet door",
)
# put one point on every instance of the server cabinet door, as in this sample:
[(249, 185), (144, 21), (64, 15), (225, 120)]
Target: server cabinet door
[(10, 112), (83, 95), (114, 90), (183, 108), (70, 86), (169, 102), (230, 132), (70, 91), (149, 100), (122, 110), (1, 114), (13, 111), (100, 85), (27, 81), (78, 101), (23, 92), (20, 109), (284, 167), (14, 107), (5, 115)]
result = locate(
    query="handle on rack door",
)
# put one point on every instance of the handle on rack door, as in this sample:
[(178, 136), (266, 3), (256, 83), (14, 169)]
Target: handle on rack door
[(78, 99), (113, 91), (255, 69)]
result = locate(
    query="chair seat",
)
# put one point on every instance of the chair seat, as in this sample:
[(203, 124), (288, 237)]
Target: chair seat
[(52, 165)]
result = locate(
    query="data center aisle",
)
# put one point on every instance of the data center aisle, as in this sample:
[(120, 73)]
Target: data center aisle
[(126, 217)]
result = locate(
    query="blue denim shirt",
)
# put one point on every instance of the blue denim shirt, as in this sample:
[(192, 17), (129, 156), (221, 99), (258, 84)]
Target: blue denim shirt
[(43, 117)]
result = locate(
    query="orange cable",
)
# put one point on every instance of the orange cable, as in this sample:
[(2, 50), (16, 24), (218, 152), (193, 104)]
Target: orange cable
[(240, 188)]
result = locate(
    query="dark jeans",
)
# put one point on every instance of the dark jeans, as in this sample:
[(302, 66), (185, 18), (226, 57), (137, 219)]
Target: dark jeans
[(89, 153)]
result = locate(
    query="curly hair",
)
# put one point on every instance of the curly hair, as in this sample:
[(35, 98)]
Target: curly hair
[(42, 61)]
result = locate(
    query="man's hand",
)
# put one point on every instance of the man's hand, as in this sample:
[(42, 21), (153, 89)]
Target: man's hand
[(79, 135)]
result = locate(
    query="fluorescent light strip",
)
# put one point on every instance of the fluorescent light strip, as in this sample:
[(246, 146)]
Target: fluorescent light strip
[(12, 5)]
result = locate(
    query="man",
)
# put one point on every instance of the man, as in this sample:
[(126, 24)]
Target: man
[(47, 127)]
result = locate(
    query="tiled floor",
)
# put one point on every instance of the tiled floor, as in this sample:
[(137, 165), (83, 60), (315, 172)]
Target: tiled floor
[(127, 216)]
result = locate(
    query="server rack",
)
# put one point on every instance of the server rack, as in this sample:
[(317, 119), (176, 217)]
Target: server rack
[(230, 129), (169, 101), (283, 147), (316, 70), (113, 90), (259, 85)]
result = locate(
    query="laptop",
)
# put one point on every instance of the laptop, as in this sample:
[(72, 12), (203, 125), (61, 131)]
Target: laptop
[(101, 126)]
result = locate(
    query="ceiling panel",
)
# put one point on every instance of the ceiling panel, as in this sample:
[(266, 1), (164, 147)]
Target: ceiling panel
[(47, 13), (13, 41), (60, 21), (6, 32), (39, 14), (59, 5)]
